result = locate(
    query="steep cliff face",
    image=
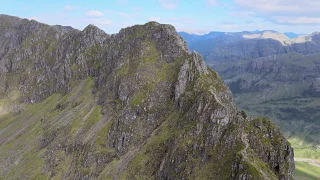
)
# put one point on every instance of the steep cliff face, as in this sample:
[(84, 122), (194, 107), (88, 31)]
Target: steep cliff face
[(271, 76), (133, 105)]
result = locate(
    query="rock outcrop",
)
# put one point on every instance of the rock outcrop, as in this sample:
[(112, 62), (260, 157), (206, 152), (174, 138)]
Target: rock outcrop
[(133, 105)]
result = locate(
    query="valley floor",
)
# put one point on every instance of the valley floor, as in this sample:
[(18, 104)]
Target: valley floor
[(306, 169), (309, 161)]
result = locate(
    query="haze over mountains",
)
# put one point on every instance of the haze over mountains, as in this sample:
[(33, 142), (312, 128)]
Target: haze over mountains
[(271, 75), (213, 34)]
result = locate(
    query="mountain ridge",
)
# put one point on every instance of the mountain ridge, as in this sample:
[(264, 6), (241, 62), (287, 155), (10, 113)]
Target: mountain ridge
[(290, 35), (136, 104)]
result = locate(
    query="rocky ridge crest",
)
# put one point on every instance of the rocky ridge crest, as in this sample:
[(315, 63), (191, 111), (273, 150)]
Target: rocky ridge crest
[(138, 104)]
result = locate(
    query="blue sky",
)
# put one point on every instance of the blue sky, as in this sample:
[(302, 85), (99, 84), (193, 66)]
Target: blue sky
[(193, 16)]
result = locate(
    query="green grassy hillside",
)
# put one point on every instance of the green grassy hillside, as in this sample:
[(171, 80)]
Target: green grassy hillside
[(27, 134), (305, 171)]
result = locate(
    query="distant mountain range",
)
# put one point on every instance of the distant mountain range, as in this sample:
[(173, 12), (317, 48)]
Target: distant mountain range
[(271, 74), (192, 37)]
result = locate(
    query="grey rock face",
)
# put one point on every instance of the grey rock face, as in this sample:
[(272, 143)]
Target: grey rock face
[(152, 110), (200, 64)]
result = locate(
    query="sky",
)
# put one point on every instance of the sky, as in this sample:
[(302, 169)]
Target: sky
[(192, 16)]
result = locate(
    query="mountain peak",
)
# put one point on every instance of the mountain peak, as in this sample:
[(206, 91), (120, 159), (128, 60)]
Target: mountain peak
[(92, 28), (64, 29), (94, 34), (150, 27), (155, 31), (268, 34), (133, 105)]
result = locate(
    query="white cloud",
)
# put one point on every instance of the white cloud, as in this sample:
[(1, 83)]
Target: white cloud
[(212, 2), (102, 21), (288, 7), (169, 4), (154, 18), (97, 17), (68, 8), (290, 12), (94, 13)]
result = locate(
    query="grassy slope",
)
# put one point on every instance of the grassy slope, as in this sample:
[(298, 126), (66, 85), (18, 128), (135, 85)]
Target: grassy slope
[(73, 116), (305, 171)]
